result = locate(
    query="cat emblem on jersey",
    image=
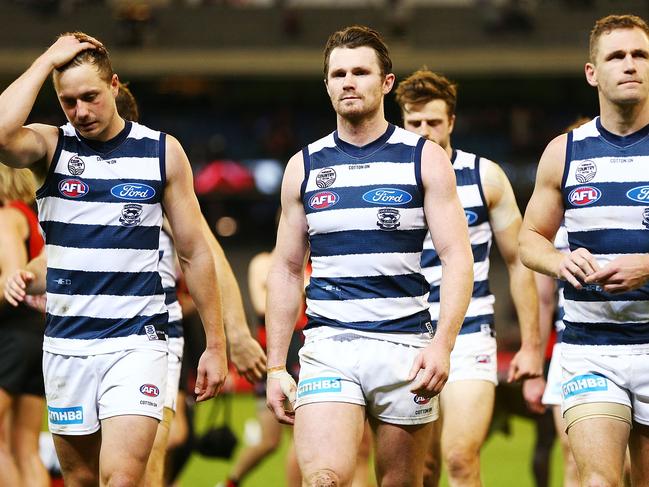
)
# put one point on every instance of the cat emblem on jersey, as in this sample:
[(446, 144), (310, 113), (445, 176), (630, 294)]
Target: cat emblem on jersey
[(388, 219), (325, 178), (585, 171), (645, 218), (131, 214), (76, 166)]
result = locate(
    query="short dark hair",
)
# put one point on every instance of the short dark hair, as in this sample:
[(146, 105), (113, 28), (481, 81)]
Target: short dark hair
[(613, 22), (98, 57), (359, 36), (126, 104), (423, 86)]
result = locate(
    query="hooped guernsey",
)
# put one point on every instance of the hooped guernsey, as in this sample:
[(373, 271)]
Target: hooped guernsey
[(366, 228), (100, 210), (606, 197)]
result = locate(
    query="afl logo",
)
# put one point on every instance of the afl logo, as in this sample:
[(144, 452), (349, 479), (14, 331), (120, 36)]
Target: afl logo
[(422, 400), (323, 199), (325, 178), (133, 191), (387, 197), (149, 390), (584, 195), (73, 188), (471, 217), (639, 194)]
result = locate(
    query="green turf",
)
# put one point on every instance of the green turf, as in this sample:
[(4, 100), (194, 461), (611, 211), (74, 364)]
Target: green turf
[(505, 459)]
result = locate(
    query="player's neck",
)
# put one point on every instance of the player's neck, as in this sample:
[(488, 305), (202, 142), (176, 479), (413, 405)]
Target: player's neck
[(361, 132), (113, 129), (624, 119)]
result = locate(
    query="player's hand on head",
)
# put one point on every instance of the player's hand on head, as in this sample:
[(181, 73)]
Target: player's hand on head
[(281, 392), (624, 273), (576, 266), (212, 371), (16, 285), (429, 371), (67, 47), (248, 357)]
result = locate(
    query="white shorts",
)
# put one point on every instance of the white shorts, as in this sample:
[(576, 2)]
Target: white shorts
[(82, 390), (474, 358), (552, 393), (174, 362), (366, 371), (621, 378)]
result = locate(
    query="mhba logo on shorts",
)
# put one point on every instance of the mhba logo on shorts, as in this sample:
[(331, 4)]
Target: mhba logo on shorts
[(319, 385), (639, 194), (73, 188), (72, 415), (387, 197), (323, 199), (149, 390), (584, 195), (133, 191), (583, 384)]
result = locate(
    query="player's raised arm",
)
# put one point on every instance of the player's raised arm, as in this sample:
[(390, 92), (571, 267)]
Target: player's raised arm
[(448, 228), (285, 284), (198, 265)]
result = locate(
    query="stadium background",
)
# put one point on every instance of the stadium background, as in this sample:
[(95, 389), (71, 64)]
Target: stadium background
[(239, 83)]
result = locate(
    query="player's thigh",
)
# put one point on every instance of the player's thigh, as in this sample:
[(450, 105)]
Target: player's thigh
[(126, 442), (467, 407), (327, 436), (27, 420), (79, 457), (639, 450)]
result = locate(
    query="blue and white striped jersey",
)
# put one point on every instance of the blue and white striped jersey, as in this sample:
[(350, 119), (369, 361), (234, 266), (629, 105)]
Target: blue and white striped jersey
[(366, 226), (606, 197), (480, 313), (100, 211), (167, 269)]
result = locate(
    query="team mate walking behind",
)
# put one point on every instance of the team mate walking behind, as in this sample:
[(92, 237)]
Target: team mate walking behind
[(104, 183), (427, 102), (597, 177), (361, 201)]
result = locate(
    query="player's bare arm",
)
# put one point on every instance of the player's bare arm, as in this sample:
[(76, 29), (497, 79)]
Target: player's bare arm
[(27, 281), (199, 267), (505, 219), (448, 229), (13, 231), (542, 220), (285, 286), (33, 145)]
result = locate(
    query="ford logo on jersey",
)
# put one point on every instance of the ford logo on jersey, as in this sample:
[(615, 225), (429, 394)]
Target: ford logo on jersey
[(323, 199), (133, 191), (387, 197), (149, 390), (73, 188), (639, 194), (471, 217), (584, 195)]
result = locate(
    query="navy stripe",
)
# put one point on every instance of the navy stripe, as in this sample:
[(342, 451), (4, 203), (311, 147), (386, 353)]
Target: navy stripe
[(612, 194), (333, 156), (344, 288), (566, 162), (480, 290), (613, 241), (590, 294), (606, 333), (366, 242), (88, 327), (348, 198), (479, 181), (473, 324), (162, 154), (175, 329), (101, 237), (144, 147), (99, 190), (410, 324), (170, 296), (306, 162), (429, 257), (465, 176), (419, 148), (70, 282), (592, 147)]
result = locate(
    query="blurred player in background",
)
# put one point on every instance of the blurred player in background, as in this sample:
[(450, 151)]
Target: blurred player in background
[(427, 101), (595, 177), (361, 200)]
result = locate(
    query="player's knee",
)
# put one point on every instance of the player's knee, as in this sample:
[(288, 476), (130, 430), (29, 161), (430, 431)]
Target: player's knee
[(596, 479), (462, 462), (121, 479), (323, 478), (432, 469), (83, 477)]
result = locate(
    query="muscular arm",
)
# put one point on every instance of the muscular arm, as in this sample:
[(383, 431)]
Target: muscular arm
[(257, 276), (505, 220), (198, 263), (286, 280), (450, 236)]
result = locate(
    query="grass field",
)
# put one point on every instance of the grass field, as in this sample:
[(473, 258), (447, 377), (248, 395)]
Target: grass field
[(505, 459)]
